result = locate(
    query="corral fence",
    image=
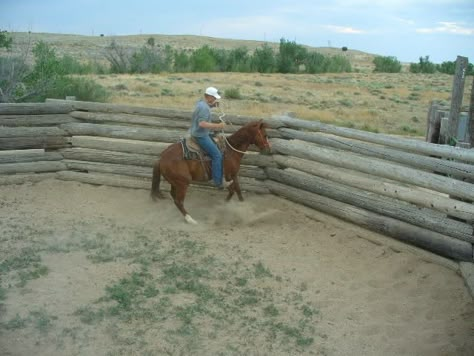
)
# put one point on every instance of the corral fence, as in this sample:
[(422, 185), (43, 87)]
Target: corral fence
[(417, 192)]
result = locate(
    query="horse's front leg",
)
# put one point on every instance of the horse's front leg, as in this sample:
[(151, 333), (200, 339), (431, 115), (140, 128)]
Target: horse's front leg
[(235, 187)]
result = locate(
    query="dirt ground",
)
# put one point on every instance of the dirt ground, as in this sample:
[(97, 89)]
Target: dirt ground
[(95, 270)]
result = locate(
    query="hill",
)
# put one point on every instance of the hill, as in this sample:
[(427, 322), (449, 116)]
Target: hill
[(92, 48)]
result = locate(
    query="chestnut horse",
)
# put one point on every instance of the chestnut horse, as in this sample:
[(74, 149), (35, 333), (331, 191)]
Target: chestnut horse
[(180, 172)]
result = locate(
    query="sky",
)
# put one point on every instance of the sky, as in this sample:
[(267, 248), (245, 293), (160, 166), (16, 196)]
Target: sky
[(405, 29)]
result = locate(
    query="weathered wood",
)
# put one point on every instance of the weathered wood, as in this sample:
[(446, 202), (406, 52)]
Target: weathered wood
[(104, 118), (260, 160), (87, 154), (252, 172), (116, 180), (113, 180), (427, 239), (34, 108), (415, 146), (432, 127), (383, 205), (121, 145), (25, 178), (375, 167), (101, 167), (457, 95), (161, 112), (123, 109), (8, 132), (115, 131), (35, 120), (455, 169), (28, 155), (46, 142), (377, 185), (32, 167), (471, 116)]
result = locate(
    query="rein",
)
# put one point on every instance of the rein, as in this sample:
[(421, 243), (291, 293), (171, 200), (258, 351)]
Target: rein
[(232, 147)]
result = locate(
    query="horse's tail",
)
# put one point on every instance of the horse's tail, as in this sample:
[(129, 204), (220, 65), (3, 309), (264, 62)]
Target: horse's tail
[(155, 183)]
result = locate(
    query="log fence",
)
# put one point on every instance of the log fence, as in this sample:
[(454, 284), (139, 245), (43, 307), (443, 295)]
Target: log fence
[(418, 192)]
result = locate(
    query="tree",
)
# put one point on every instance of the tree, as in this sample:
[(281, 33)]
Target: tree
[(291, 56), (202, 60), (263, 59)]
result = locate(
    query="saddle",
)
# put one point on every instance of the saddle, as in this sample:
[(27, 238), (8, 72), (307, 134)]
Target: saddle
[(192, 150)]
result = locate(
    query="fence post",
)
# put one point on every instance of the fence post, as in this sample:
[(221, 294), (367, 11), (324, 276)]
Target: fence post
[(456, 98), (470, 119)]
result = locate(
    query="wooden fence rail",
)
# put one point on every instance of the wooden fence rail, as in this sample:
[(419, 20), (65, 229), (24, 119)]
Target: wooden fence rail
[(418, 192)]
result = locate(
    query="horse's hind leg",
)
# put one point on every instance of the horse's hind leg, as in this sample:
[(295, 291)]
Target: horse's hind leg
[(178, 197)]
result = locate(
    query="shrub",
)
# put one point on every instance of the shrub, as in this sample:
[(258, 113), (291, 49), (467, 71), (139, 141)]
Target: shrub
[(424, 66), (232, 93), (387, 65)]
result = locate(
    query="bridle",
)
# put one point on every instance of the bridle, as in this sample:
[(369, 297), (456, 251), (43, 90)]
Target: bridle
[(266, 144)]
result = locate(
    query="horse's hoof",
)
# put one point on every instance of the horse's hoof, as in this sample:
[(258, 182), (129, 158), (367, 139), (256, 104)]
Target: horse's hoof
[(189, 219)]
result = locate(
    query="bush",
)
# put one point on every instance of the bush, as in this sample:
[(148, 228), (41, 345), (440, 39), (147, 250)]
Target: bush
[(387, 65), (424, 66), (82, 88), (232, 93)]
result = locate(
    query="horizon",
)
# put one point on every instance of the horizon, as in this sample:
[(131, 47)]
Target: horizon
[(404, 29)]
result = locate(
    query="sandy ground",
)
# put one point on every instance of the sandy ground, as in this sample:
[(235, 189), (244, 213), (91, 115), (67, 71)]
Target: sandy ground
[(369, 298)]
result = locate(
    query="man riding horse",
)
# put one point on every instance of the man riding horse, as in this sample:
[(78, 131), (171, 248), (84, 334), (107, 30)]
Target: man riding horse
[(200, 129)]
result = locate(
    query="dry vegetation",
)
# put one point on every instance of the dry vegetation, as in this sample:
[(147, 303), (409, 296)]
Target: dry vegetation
[(379, 102), (391, 103)]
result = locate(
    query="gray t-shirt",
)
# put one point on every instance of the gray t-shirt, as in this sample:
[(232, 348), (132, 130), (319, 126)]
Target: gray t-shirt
[(202, 112)]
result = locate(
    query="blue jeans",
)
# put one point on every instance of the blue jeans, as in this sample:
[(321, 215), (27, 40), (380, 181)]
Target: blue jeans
[(208, 145)]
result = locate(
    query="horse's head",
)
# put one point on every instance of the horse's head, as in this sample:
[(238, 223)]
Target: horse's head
[(260, 136)]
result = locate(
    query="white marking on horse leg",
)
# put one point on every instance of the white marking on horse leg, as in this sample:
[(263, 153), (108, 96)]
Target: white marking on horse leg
[(189, 219)]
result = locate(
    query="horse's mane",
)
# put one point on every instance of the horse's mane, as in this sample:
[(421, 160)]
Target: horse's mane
[(242, 135)]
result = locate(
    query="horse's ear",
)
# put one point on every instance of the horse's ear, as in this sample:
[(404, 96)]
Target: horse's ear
[(261, 124)]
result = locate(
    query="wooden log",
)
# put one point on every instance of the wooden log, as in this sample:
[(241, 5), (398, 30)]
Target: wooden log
[(105, 118), (116, 180), (28, 155), (45, 142), (123, 109), (418, 236), (375, 167), (101, 167), (32, 167), (115, 131), (443, 131), (386, 206), (35, 120), (419, 197), (432, 127), (186, 115), (120, 145), (457, 94), (34, 108), (25, 178), (471, 116), (87, 154), (113, 180), (415, 146), (453, 168), (260, 160), (9, 132), (252, 172)]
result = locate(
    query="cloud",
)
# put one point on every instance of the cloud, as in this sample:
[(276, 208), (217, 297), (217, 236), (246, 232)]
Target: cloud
[(344, 29), (449, 28)]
